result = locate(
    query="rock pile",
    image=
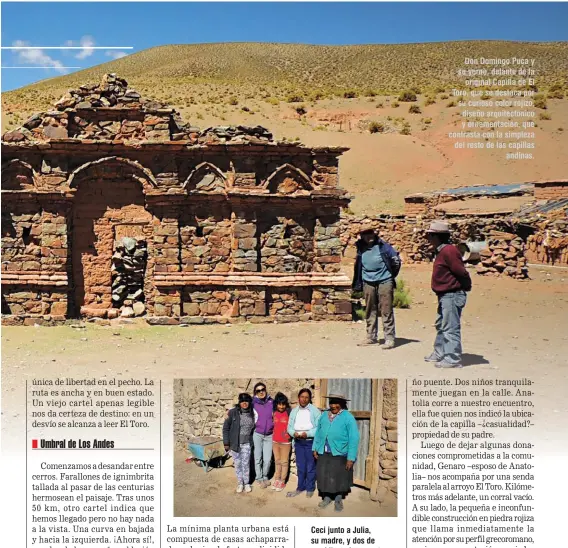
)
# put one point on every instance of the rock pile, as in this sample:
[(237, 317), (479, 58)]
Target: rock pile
[(128, 266), (505, 254), (549, 243), (237, 134), (408, 235), (112, 111), (111, 92)]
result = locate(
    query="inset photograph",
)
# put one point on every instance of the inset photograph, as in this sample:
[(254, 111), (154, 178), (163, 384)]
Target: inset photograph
[(285, 447)]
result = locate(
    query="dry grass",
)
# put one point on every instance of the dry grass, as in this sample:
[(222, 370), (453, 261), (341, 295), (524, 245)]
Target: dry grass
[(215, 73)]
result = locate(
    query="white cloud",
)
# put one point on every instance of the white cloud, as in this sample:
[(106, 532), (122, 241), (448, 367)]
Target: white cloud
[(36, 57), (116, 54), (87, 42)]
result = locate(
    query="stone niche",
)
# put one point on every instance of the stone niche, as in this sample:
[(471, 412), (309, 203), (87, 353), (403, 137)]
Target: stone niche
[(113, 205)]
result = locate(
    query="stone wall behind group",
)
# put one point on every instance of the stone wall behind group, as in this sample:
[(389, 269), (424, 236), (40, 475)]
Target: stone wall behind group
[(201, 406), (388, 451)]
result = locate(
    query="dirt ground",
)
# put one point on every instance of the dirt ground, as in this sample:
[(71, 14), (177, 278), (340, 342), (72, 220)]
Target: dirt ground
[(215, 491), (510, 328)]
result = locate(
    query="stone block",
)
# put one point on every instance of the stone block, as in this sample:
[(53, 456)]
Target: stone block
[(191, 309), (162, 320), (242, 230), (59, 308)]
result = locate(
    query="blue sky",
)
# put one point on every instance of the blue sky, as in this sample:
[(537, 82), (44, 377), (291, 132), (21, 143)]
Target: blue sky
[(146, 24)]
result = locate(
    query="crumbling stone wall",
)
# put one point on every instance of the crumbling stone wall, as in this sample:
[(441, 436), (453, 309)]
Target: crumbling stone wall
[(549, 242), (388, 452), (328, 245), (287, 245), (200, 406), (505, 254), (109, 164), (408, 236), (205, 243), (551, 190), (34, 258)]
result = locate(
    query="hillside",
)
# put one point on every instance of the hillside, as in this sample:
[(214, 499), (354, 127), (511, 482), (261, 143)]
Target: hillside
[(323, 70), (329, 95)]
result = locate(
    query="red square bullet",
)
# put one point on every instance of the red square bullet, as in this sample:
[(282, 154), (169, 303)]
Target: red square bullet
[(34, 444)]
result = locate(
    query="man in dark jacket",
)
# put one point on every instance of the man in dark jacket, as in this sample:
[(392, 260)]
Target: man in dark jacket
[(376, 268), (450, 281)]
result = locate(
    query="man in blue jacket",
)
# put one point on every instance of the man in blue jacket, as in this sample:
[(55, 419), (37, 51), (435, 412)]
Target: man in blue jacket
[(376, 268)]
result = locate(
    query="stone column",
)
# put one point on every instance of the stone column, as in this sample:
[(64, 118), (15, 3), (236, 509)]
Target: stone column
[(244, 244)]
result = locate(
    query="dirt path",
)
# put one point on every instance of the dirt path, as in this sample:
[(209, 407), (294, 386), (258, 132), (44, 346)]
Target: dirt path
[(197, 493)]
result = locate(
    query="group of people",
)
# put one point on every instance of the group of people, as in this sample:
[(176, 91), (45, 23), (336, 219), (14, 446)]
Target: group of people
[(376, 268), (325, 443)]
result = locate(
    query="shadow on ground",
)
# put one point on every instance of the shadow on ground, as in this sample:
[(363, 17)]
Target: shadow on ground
[(473, 359)]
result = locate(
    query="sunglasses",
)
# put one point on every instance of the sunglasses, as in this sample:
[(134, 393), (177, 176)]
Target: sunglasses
[(260, 390)]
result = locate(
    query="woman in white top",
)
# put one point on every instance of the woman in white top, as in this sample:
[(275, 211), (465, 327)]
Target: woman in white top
[(302, 427)]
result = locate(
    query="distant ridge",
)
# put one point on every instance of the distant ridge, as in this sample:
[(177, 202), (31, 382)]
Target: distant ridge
[(384, 68)]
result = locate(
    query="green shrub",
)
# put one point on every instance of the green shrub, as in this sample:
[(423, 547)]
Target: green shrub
[(451, 104), (414, 109), (317, 95), (407, 96), (294, 98), (380, 105), (233, 101), (301, 110), (555, 92), (376, 127), (370, 93), (405, 129), (539, 101), (544, 116), (350, 94), (359, 312), (445, 96), (272, 101), (429, 101), (402, 298), (396, 104)]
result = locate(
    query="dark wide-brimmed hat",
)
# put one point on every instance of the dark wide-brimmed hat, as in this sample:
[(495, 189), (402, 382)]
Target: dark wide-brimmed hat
[(438, 227), (337, 397)]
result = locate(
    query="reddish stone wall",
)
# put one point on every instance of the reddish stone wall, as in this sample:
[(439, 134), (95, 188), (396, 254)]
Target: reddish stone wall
[(551, 190), (225, 304), (106, 167), (26, 304), (33, 239), (101, 206)]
